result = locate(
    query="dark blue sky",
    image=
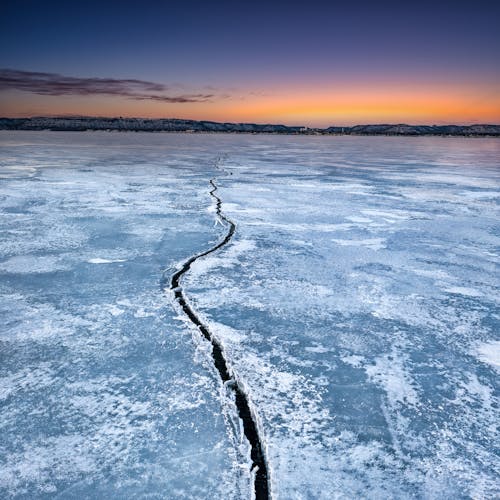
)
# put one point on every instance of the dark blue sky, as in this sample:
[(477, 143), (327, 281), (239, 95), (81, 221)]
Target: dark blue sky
[(245, 49)]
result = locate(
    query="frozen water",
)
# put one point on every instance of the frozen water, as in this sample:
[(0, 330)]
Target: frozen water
[(357, 303), (364, 316), (489, 352), (102, 391)]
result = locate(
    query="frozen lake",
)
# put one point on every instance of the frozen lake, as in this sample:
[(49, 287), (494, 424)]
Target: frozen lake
[(357, 304)]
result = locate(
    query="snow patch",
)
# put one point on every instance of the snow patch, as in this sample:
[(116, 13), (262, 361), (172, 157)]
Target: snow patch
[(372, 243), (391, 374), (461, 290), (228, 259), (99, 260), (489, 352)]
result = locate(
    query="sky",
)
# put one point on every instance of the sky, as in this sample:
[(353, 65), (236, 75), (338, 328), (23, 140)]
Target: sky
[(313, 63)]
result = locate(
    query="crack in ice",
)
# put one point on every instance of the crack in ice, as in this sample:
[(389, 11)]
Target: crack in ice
[(228, 378)]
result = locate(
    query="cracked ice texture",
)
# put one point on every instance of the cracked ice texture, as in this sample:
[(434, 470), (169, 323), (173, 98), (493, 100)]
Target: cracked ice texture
[(358, 303), (364, 316), (102, 391)]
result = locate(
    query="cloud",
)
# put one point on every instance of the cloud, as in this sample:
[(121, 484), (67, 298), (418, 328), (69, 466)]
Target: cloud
[(181, 98), (54, 84)]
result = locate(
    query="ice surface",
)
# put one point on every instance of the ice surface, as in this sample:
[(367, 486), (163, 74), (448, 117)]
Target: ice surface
[(365, 317), (489, 352), (357, 303), (102, 391)]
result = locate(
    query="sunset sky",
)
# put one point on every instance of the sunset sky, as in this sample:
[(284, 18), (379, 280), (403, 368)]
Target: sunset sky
[(309, 63)]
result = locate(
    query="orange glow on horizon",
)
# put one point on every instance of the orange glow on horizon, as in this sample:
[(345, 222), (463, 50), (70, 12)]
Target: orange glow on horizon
[(347, 105)]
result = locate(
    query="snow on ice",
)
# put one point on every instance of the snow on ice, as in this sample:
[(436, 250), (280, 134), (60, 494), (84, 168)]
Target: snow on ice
[(358, 304)]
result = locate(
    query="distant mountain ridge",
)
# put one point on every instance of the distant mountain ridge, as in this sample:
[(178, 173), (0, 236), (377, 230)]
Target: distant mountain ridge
[(83, 123)]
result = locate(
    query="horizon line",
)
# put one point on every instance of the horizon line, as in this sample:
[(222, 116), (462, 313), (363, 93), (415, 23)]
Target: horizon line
[(97, 117)]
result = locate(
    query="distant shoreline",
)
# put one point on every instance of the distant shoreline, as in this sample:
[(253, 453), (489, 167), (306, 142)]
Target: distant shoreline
[(81, 124)]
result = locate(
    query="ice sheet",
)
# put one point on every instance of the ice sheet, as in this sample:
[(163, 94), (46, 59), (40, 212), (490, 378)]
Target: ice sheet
[(357, 303), (103, 392), (365, 318)]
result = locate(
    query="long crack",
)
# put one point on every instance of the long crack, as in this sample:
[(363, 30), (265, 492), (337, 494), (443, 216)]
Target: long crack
[(259, 466)]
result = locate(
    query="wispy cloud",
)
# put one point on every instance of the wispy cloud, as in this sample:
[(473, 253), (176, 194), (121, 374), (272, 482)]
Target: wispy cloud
[(54, 84), (179, 98)]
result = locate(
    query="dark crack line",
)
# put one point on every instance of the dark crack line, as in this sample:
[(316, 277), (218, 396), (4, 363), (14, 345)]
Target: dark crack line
[(259, 465)]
